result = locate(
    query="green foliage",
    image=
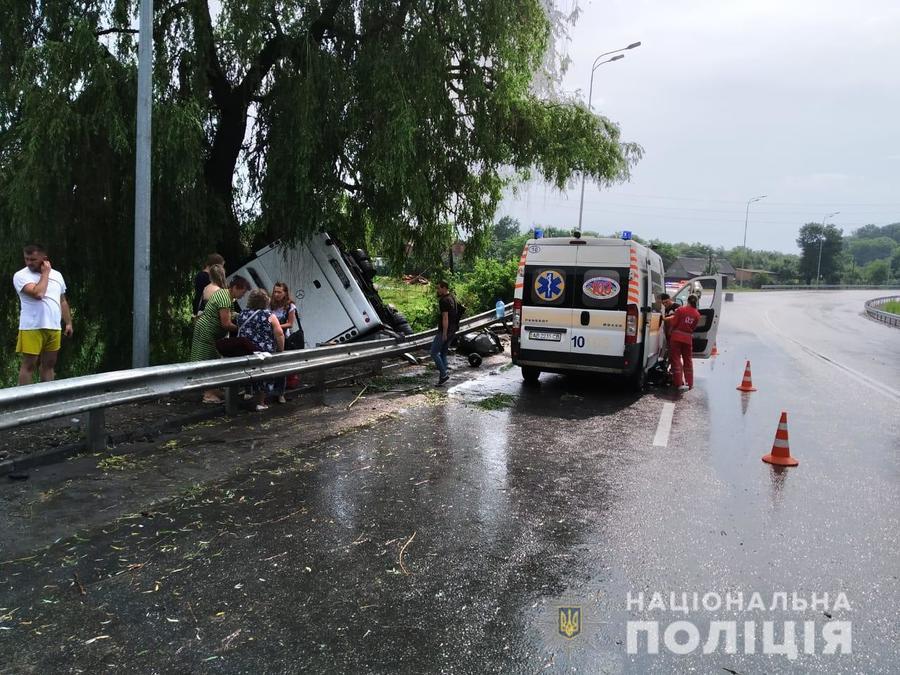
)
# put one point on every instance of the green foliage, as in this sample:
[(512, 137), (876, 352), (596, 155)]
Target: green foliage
[(417, 302), (503, 232), (821, 249), (394, 124), (877, 272), (893, 307), (864, 251), (760, 279), (668, 252), (490, 280), (891, 231)]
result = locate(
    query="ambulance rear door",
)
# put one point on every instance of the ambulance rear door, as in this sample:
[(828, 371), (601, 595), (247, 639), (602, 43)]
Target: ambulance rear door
[(600, 301), (549, 286), (710, 307)]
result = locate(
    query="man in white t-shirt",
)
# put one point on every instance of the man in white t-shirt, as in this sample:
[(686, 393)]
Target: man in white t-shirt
[(42, 296)]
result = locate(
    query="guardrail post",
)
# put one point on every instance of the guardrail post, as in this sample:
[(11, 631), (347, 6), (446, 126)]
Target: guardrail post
[(376, 366), (318, 384), (232, 398), (96, 430)]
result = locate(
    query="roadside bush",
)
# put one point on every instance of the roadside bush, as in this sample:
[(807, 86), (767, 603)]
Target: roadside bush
[(488, 281), (423, 315)]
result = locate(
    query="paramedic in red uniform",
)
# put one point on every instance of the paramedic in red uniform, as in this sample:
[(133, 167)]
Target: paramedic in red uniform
[(683, 322)]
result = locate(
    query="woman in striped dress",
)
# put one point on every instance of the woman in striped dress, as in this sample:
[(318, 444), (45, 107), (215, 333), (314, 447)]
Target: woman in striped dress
[(214, 323)]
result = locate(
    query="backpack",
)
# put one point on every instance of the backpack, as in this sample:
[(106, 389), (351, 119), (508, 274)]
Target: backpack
[(460, 310)]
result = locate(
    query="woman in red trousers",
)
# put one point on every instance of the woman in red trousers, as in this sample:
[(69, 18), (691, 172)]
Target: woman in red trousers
[(683, 323)]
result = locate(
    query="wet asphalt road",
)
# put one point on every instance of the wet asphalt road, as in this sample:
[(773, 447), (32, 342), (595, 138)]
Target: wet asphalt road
[(446, 539)]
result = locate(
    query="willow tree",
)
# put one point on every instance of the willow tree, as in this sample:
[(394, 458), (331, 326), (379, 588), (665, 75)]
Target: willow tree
[(394, 120)]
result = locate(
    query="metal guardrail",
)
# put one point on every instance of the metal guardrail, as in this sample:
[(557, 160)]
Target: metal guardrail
[(94, 393), (827, 287), (889, 318)]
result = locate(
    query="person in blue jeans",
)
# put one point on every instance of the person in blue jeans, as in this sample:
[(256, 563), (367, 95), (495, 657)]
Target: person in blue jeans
[(447, 325)]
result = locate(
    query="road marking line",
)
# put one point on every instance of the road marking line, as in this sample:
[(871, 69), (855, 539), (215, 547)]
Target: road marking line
[(661, 439), (872, 383)]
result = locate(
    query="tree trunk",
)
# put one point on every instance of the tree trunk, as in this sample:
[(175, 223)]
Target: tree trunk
[(219, 174)]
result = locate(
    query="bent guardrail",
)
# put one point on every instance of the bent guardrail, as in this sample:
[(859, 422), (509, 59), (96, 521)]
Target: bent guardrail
[(94, 393), (889, 318)]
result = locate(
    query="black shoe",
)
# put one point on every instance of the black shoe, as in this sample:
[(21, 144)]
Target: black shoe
[(442, 380)]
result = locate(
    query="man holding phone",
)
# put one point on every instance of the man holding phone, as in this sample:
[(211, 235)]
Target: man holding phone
[(44, 308)]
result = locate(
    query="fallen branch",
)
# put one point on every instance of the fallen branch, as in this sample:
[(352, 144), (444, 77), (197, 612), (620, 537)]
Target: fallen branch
[(278, 555), (78, 584), (357, 396), (408, 541)]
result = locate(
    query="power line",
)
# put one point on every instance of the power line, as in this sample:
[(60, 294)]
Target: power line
[(814, 204)]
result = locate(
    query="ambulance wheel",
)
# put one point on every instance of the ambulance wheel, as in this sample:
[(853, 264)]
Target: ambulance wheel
[(530, 375)]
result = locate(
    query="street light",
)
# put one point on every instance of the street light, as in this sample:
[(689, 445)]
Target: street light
[(597, 64), (746, 220), (822, 241), (140, 304)]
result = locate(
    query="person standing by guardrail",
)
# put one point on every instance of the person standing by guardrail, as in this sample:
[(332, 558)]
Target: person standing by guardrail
[(202, 280), (261, 326), (214, 323), (285, 311), (43, 309), (448, 323)]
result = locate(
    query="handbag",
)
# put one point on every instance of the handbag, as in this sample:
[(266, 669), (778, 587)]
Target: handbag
[(238, 345), (295, 340)]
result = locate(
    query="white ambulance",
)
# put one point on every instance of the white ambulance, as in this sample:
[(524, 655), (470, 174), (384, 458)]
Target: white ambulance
[(592, 304), (332, 288)]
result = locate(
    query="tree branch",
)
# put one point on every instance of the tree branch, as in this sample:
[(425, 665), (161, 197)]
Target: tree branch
[(219, 86), (325, 24), (109, 31)]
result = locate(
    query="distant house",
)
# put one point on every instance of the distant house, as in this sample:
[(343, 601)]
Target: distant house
[(746, 274), (687, 268)]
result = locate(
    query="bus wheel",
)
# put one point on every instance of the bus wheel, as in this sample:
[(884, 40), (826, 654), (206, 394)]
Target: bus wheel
[(530, 375)]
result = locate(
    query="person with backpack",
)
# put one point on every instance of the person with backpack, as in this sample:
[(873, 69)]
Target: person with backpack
[(448, 323)]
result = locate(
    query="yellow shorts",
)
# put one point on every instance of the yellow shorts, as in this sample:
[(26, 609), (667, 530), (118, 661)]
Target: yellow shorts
[(38, 341)]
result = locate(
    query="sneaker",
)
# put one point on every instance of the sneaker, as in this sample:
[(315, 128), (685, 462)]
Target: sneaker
[(282, 399), (261, 407), (443, 379), (684, 387)]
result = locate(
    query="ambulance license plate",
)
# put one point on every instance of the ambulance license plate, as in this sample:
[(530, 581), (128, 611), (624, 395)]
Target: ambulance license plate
[(541, 335)]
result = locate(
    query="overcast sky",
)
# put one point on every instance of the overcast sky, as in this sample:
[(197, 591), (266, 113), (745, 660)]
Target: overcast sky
[(794, 99)]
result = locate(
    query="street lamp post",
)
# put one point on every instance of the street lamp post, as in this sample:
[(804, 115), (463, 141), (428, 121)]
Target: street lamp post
[(747, 220), (597, 64), (822, 241), (140, 331)]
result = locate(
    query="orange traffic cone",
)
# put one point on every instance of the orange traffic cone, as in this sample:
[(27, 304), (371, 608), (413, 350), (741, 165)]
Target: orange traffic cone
[(715, 351), (781, 452), (747, 384)]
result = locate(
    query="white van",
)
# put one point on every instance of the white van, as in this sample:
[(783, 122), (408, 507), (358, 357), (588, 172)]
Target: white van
[(332, 289), (591, 304)]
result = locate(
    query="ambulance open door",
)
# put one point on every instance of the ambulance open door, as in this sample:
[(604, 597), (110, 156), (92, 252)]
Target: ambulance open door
[(709, 290)]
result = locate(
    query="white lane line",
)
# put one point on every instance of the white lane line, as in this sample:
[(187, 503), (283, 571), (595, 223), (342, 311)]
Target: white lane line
[(664, 428), (872, 383)]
